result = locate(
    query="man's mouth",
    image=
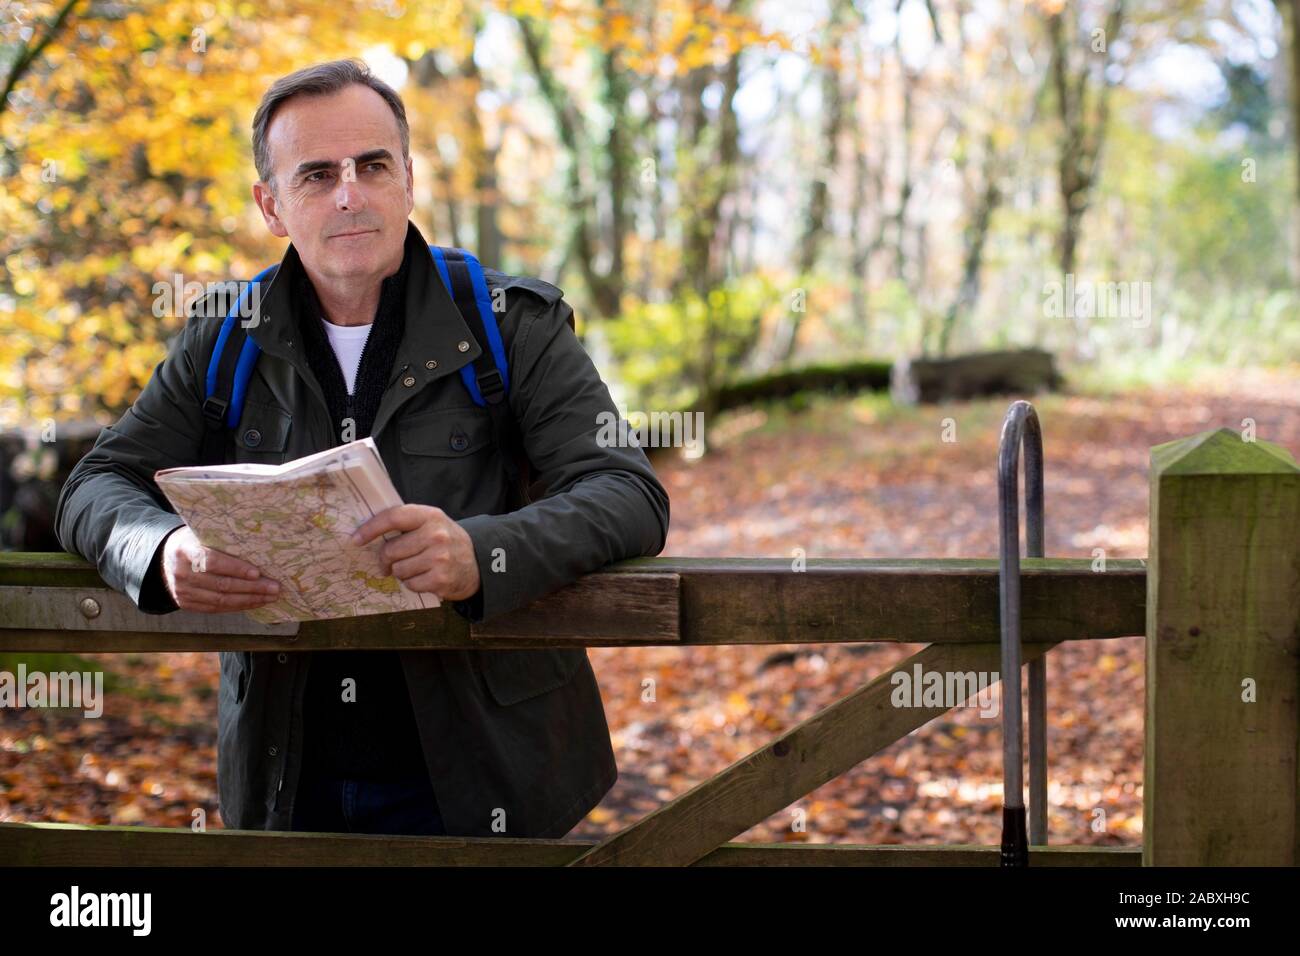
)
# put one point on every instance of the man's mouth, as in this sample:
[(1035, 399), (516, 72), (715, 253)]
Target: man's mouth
[(354, 235)]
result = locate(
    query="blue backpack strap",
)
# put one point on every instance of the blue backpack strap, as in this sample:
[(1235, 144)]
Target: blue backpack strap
[(229, 369), (487, 378)]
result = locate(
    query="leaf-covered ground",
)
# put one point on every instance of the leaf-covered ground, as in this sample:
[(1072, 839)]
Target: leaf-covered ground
[(841, 478)]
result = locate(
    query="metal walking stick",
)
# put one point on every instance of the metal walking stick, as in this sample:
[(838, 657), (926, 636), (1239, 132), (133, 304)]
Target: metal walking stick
[(1020, 427)]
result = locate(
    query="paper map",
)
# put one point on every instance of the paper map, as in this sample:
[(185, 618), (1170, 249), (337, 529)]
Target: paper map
[(293, 521)]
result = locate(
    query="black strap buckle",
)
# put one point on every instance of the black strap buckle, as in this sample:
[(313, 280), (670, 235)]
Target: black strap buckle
[(491, 386), (214, 410)]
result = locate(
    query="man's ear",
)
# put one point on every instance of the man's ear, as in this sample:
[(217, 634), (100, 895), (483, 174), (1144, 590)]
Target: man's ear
[(266, 203), (410, 186)]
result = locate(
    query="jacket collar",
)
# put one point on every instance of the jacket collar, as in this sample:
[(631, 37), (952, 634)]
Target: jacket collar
[(432, 340)]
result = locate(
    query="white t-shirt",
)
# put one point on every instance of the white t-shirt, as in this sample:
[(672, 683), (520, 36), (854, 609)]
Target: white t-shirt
[(347, 342)]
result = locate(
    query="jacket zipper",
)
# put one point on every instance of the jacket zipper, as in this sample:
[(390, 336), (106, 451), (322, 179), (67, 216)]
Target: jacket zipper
[(400, 372), (295, 705)]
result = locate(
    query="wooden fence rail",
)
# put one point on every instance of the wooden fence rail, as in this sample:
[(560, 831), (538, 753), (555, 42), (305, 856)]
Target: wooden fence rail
[(646, 601), (1218, 599)]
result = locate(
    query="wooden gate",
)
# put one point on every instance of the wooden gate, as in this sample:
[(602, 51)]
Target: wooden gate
[(1218, 599)]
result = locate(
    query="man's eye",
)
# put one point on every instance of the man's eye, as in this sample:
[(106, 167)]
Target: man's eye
[(311, 177), (376, 165)]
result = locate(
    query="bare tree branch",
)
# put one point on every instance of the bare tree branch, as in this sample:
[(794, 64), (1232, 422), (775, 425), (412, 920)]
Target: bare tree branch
[(31, 52)]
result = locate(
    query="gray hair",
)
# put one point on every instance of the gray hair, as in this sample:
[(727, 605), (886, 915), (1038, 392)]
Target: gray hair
[(320, 80)]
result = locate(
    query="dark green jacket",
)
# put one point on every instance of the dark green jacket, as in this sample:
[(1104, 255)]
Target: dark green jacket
[(519, 731)]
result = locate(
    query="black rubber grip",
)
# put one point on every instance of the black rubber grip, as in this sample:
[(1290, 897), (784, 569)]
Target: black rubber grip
[(1015, 844)]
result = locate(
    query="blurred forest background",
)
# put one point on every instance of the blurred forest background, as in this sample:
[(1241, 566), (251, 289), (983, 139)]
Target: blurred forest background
[(726, 191), (722, 189)]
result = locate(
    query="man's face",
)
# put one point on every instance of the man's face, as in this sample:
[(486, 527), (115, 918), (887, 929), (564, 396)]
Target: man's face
[(343, 191)]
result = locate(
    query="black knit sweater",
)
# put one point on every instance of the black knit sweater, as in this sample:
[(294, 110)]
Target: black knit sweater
[(375, 736)]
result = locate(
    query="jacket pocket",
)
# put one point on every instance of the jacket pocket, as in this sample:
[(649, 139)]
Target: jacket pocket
[(446, 432), (445, 457), (263, 433), (516, 675)]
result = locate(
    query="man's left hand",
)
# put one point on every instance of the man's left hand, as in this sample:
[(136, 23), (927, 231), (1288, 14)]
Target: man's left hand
[(433, 554)]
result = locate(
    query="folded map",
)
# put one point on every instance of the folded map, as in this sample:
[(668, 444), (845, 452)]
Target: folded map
[(293, 521)]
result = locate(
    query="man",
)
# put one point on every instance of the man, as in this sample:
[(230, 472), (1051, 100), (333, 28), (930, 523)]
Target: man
[(359, 337)]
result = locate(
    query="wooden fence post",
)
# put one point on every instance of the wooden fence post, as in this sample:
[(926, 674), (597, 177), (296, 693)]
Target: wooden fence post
[(1222, 673)]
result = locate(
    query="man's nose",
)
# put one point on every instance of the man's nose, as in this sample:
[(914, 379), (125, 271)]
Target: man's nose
[(349, 195)]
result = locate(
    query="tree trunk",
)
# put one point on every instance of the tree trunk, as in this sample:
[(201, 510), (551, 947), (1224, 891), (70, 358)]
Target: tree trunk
[(814, 227), (1293, 7), (1082, 132), (582, 240), (861, 254), (484, 161), (976, 234)]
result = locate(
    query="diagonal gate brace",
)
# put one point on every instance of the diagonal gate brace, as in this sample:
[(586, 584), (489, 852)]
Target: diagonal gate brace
[(821, 748)]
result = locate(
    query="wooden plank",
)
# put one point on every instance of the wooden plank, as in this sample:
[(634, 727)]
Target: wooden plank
[(597, 608), (719, 601), (103, 611), (640, 608), (839, 854), (62, 844), (1223, 612), (48, 569), (125, 629), (796, 763), (938, 601)]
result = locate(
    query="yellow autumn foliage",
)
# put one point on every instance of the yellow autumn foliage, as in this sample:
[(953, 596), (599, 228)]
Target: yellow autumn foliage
[(128, 159)]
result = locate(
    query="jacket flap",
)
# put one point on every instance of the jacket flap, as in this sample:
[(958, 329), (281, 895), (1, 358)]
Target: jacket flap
[(445, 432), (515, 675), (263, 427)]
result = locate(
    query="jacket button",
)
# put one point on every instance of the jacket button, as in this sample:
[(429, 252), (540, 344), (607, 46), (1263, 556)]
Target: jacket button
[(408, 381), (431, 364), (272, 751), (282, 657), (459, 442), (252, 438), (463, 346)]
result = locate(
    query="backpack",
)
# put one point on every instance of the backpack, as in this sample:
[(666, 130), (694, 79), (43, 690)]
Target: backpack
[(487, 378)]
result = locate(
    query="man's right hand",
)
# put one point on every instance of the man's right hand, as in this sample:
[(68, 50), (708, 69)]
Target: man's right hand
[(203, 579)]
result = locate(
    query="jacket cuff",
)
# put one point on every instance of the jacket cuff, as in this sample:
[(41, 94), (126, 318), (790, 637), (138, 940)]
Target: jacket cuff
[(144, 582), (471, 609), (497, 592)]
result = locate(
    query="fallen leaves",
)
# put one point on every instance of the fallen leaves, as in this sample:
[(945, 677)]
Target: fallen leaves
[(856, 484)]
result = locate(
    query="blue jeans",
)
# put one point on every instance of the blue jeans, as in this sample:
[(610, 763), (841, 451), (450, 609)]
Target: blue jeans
[(331, 805)]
